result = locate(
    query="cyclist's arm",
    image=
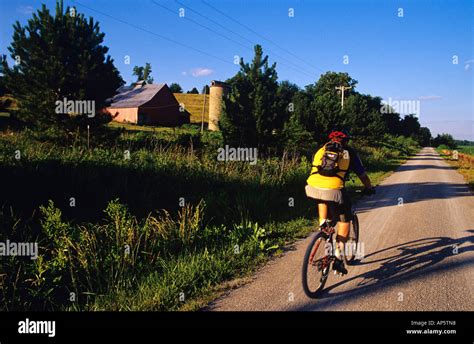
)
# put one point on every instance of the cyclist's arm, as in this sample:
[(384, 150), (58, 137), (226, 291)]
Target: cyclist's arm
[(364, 178), (357, 166)]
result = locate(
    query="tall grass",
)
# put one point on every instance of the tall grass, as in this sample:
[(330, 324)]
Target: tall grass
[(123, 263), (157, 221)]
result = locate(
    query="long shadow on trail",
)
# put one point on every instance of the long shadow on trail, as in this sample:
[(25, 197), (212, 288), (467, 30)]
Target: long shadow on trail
[(431, 158), (407, 261), (404, 168), (391, 194)]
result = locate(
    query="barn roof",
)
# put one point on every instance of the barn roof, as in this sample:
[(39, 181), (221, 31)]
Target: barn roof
[(135, 96)]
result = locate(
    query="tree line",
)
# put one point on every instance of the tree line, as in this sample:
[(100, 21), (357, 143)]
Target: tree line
[(263, 112), (62, 55)]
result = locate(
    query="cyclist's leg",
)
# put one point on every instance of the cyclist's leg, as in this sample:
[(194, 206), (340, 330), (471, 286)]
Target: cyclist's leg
[(345, 214), (345, 217), (322, 212)]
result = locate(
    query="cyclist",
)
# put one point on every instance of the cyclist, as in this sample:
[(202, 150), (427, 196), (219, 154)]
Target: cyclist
[(331, 165)]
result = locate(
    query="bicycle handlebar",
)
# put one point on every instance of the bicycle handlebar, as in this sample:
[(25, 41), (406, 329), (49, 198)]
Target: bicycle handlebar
[(367, 192)]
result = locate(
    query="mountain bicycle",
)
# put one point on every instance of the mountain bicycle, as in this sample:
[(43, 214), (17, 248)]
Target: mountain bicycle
[(320, 255)]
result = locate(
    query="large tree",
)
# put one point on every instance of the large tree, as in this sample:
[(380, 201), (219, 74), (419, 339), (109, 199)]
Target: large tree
[(444, 139), (410, 126), (59, 56), (285, 106), (205, 89), (143, 73), (326, 110), (250, 113), (362, 114), (176, 88), (424, 136)]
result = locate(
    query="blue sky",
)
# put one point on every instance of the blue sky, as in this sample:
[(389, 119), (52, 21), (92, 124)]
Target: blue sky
[(408, 58)]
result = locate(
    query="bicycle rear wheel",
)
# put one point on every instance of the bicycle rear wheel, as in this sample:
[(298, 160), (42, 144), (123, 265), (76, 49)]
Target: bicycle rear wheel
[(316, 265), (351, 245)]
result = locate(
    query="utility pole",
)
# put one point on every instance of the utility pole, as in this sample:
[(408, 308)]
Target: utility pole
[(343, 89)]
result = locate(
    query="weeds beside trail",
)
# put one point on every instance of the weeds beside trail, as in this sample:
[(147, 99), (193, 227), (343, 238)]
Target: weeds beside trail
[(156, 229), (463, 161)]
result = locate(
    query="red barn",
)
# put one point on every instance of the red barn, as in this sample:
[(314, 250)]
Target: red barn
[(147, 104)]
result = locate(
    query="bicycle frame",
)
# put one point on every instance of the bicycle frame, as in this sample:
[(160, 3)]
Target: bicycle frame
[(328, 258)]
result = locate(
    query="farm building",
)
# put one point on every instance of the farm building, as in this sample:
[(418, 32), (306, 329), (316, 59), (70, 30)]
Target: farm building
[(206, 108), (147, 104)]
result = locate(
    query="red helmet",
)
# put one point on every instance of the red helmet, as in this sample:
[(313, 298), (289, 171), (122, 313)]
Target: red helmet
[(338, 136)]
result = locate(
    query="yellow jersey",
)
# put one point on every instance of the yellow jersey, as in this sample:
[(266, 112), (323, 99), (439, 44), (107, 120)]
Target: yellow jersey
[(319, 181)]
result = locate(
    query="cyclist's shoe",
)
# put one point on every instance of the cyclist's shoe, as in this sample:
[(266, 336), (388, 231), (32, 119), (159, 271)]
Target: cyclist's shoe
[(324, 225), (324, 228), (338, 267)]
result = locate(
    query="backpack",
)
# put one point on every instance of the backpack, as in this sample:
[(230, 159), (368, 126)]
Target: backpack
[(329, 167)]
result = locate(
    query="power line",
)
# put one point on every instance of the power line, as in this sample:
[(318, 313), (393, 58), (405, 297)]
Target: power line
[(246, 39), (215, 22), (297, 68), (154, 33), (256, 33), (203, 26), (164, 37)]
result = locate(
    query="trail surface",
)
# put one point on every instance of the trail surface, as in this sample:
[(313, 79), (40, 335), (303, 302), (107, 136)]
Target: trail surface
[(418, 237)]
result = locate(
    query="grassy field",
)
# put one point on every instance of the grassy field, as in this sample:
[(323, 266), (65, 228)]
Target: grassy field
[(466, 149), (190, 128), (157, 222), (194, 104), (464, 162)]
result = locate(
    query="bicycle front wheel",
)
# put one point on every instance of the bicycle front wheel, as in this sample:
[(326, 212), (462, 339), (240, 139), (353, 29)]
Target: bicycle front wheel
[(316, 264)]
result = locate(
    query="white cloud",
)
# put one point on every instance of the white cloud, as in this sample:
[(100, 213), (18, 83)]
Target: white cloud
[(430, 97), (197, 72), (25, 9), (468, 64), (184, 73)]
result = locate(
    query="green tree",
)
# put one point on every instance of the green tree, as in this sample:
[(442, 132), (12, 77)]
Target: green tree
[(362, 115), (59, 56), (328, 82), (143, 73), (318, 109), (193, 91), (327, 113), (424, 136), (285, 103), (205, 89), (392, 122), (410, 126), (250, 110), (444, 139), (176, 88), (296, 138)]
